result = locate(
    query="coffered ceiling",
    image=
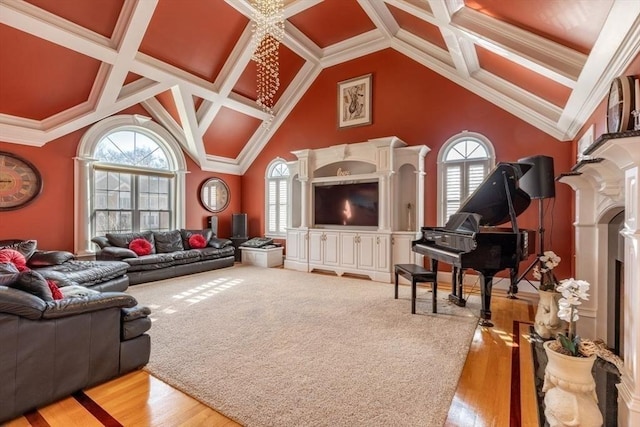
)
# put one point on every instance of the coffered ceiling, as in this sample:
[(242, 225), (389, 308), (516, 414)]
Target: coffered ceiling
[(65, 64)]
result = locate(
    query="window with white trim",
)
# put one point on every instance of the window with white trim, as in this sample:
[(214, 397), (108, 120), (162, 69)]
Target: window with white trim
[(463, 163), (277, 198), (130, 177)]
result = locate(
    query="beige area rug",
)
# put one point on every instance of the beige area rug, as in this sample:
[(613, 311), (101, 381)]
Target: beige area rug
[(273, 347)]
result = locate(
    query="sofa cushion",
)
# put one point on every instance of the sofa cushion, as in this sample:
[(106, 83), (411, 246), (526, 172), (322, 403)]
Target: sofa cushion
[(25, 247), (76, 291), (8, 273), (33, 283), (168, 241), (140, 246), (215, 253), (47, 258), (185, 257), (207, 233), (84, 273), (218, 243), (150, 262), (122, 240)]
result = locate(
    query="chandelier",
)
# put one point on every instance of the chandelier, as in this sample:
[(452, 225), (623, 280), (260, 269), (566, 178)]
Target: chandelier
[(268, 32)]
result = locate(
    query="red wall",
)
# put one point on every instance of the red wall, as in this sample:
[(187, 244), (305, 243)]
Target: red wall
[(49, 218), (420, 107)]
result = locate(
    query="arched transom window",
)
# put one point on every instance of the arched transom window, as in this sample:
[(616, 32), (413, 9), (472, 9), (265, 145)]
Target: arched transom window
[(133, 187), (464, 161), (277, 198), (130, 178)]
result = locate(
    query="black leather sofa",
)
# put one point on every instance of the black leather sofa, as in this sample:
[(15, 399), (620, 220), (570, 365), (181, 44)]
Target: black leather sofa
[(51, 349), (64, 269), (171, 253)]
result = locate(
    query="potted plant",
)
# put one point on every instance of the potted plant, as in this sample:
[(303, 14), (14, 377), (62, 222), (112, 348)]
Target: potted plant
[(547, 323), (570, 396)]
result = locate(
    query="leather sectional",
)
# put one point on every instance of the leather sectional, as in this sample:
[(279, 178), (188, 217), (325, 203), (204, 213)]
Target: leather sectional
[(51, 347), (171, 253)]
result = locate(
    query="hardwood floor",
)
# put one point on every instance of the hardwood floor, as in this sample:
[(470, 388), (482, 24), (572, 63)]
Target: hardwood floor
[(496, 387)]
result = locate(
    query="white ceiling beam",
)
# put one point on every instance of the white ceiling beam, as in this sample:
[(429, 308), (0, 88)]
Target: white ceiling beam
[(47, 26), (131, 28)]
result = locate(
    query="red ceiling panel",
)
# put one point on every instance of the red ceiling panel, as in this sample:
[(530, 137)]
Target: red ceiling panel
[(418, 27), (575, 23), (98, 16), (131, 77), (229, 132), (326, 26), (533, 82), (168, 102), (39, 79), (197, 38), (290, 65)]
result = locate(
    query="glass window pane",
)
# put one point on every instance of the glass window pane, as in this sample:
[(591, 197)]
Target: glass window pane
[(100, 182), (153, 201)]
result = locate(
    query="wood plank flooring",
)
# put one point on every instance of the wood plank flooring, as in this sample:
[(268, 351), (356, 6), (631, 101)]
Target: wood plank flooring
[(496, 387)]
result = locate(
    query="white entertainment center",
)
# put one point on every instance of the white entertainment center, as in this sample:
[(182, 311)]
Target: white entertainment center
[(368, 250)]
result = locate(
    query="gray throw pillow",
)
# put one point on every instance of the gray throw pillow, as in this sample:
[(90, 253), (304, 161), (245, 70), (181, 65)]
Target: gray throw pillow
[(48, 258), (8, 273), (33, 283), (25, 247)]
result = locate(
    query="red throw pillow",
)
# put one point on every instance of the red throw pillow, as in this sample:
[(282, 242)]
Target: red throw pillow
[(14, 257), (197, 241), (140, 246), (55, 291)]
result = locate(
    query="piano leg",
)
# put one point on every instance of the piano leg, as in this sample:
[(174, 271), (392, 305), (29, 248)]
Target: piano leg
[(513, 288), (486, 284), (456, 296)]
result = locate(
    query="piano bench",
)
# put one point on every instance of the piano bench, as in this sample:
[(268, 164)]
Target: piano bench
[(417, 274)]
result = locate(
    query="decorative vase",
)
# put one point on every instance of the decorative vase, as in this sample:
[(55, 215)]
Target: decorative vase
[(547, 323), (570, 390)]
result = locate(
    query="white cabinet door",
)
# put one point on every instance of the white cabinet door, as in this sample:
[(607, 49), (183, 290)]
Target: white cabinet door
[(382, 254), (348, 249), (293, 245), (316, 247), (367, 249), (402, 253), (331, 248)]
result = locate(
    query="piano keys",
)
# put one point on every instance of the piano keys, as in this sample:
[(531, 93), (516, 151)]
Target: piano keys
[(472, 240)]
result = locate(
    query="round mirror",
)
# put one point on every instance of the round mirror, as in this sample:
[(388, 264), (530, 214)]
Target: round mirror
[(214, 194)]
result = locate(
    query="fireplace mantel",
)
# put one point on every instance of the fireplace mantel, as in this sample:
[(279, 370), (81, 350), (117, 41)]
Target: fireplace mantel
[(606, 182)]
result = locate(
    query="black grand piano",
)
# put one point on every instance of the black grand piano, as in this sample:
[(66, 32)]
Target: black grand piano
[(470, 239)]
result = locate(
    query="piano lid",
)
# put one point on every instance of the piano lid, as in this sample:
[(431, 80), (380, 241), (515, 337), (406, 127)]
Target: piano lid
[(489, 200)]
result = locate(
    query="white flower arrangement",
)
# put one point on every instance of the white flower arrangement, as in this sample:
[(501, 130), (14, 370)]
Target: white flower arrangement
[(573, 291)]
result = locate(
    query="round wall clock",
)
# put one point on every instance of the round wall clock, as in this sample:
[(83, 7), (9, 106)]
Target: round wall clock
[(214, 194), (619, 104), (20, 182)]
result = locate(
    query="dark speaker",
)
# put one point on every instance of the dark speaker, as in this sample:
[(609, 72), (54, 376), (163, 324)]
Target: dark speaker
[(539, 181), (239, 225), (213, 224)]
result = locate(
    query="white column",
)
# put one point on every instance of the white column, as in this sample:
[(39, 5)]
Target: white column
[(82, 206), (629, 387), (305, 192)]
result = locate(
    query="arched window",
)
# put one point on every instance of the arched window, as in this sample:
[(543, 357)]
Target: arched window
[(277, 198), (463, 163), (131, 178)]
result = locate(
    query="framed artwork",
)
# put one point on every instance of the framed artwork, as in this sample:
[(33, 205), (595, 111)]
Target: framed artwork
[(354, 102)]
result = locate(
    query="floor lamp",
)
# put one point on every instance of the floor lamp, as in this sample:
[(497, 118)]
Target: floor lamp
[(539, 183)]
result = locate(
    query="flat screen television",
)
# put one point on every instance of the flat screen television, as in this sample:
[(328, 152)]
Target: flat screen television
[(350, 204)]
